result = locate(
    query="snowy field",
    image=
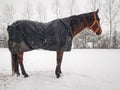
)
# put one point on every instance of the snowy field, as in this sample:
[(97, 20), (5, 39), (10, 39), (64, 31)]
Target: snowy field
[(82, 70)]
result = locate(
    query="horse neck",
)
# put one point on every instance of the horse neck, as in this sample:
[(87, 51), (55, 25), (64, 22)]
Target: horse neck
[(77, 27), (80, 22)]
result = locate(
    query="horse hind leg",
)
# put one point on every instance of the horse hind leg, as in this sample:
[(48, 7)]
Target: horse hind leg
[(20, 61), (15, 66)]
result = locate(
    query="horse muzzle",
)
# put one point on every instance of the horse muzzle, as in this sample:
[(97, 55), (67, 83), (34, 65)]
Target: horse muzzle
[(99, 32)]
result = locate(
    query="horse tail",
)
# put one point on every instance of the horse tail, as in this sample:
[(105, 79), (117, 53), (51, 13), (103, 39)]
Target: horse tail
[(15, 34), (8, 28), (13, 63)]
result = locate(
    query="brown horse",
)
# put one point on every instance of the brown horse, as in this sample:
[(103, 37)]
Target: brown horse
[(77, 24)]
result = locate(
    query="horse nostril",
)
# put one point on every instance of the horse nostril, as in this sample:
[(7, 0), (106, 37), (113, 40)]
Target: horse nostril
[(98, 33)]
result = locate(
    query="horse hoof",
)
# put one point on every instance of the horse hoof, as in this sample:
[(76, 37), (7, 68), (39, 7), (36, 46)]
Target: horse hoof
[(58, 76), (25, 76), (18, 75)]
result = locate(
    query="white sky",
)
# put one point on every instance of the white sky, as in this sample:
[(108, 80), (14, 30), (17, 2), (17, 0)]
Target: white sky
[(82, 6), (19, 5)]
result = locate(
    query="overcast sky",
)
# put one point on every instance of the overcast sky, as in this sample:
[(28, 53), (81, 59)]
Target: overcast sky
[(34, 2), (83, 6), (19, 4)]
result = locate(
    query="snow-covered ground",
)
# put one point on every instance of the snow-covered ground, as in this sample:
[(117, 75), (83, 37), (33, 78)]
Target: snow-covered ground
[(82, 70)]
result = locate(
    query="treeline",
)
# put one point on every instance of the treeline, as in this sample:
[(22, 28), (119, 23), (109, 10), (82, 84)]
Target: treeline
[(110, 23), (89, 40), (109, 14)]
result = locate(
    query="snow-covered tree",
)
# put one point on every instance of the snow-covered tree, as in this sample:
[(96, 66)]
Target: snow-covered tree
[(111, 11), (56, 8), (86, 39), (28, 11), (95, 4), (71, 6), (41, 11), (8, 14), (115, 40), (7, 17), (103, 42)]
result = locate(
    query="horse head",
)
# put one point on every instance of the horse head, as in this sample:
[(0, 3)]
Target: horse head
[(95, 24), (90, 20)]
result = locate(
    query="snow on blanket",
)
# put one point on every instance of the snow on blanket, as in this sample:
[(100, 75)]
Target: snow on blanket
[(82, 70)]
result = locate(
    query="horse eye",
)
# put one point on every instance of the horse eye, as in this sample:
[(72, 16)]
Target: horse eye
[(98, 19)]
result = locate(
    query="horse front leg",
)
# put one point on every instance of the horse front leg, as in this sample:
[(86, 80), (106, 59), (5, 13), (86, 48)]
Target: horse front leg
[(59, 61), (20, 61)]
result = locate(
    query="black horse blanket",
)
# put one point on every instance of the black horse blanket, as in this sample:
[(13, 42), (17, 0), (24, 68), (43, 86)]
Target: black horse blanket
[(26, 35)]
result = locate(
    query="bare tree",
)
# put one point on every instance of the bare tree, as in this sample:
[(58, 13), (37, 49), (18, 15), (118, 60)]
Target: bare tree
[(95, 4), (41, 12), (8, 14), (7, 17), (66, 8), (115, 40), (28, 12), (111, 11), (118, 22), (58, 8), (103, 42), (71, 7)]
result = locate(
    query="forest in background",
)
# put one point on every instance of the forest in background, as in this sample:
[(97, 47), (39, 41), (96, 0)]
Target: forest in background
[(109, 19)]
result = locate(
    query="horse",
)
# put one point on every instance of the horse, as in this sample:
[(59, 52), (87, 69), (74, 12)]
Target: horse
[(61, 30)]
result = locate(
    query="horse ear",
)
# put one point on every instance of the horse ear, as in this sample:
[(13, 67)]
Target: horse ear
[(97, 11)]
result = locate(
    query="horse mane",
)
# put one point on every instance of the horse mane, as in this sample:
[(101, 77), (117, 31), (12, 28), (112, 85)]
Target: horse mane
[(77, 19)]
